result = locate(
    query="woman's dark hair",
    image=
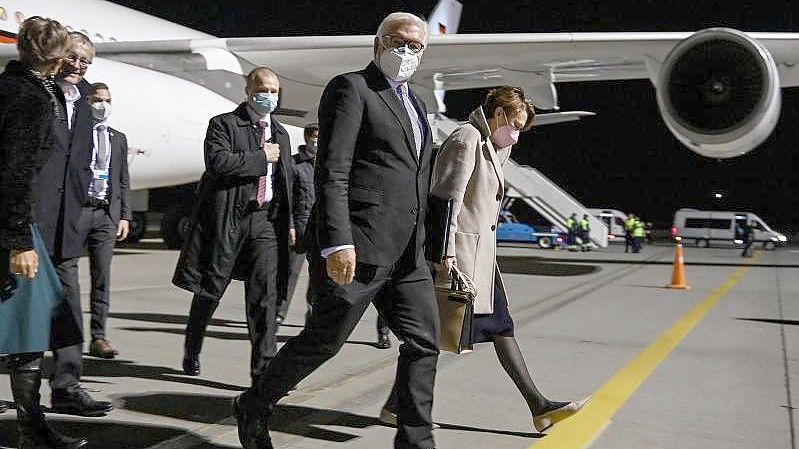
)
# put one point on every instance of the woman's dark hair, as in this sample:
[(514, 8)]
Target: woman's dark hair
[(41, 40), (512, 100)]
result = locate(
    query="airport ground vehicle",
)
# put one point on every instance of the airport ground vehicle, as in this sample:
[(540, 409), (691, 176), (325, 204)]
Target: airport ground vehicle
[(705, 227), (614, 220), (511, 230)]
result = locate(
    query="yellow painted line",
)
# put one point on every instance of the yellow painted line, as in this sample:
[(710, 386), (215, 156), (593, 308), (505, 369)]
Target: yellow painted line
[(579, 431)]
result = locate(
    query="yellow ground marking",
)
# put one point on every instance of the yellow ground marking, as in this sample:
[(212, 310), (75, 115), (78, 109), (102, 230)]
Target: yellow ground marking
[(579, 431)]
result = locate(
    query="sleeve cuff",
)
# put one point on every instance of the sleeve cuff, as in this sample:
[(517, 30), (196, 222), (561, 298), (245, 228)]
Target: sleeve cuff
[(334, 249)]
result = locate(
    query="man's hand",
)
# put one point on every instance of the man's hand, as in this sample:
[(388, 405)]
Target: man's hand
[(24, 263), (341, 266), (123, 229), (446, 265), (272, 151), (292, 237)]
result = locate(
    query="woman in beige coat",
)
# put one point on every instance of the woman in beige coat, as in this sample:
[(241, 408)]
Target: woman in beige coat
[(469, 169)]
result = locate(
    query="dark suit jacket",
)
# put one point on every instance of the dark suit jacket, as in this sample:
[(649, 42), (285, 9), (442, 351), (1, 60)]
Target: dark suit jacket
[(371, 188), (233, 163), (119, 189), (60, 192)]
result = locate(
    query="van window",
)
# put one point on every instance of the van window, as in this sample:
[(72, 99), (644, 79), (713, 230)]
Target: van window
[(716, 223), (618, 221), (695, 223)]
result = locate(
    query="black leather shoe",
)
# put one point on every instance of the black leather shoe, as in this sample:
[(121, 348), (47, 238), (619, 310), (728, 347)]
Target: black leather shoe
[(253, 433), (191, 367), (78, 402), (383, 341)]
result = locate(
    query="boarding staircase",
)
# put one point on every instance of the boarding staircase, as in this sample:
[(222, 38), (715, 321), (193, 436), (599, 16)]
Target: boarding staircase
[(527, 184)]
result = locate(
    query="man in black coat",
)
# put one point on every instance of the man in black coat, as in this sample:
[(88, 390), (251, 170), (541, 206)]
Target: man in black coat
[(62, 189), (372, 182), (241, 220)]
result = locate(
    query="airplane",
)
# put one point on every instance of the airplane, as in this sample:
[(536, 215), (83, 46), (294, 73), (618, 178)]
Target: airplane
[(718, 89)]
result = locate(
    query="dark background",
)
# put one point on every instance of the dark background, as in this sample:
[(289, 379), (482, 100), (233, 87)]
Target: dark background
[(624, 157)]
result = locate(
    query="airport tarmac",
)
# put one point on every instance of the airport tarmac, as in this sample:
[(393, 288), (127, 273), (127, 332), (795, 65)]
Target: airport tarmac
[(716, 366)]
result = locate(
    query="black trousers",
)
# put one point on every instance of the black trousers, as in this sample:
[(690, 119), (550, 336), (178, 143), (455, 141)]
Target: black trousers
[(258, 250), (296, 262), (100, 231), (406, 299)]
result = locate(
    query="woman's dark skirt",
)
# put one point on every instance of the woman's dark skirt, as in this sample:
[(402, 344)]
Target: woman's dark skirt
[(499, 323)]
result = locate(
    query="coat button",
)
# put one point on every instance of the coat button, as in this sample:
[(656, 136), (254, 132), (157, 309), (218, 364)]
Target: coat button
[(493, 227), (414, 210)]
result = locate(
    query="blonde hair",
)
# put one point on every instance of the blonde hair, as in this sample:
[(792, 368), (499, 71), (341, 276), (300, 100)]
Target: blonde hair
[(42, 40), (512, 100), (396, 18)]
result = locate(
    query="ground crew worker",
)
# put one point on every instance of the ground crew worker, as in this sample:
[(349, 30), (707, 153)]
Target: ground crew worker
[(585, 230), (639, 232), (571, 227), (629, 227)]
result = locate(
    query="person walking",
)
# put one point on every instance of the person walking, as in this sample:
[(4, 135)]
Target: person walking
[(29, 103), (372, 183), (469, 170)]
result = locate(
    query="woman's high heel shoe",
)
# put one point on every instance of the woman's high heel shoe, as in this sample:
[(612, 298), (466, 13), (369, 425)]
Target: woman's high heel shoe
[(547, 419)]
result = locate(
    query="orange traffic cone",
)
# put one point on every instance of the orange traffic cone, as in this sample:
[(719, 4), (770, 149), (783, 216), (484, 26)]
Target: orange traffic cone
[(678, 272)]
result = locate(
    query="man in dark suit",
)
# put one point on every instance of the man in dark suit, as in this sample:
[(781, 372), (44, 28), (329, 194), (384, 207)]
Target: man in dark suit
[(372, 181), (106, 216), (241, 221), (62, 188)]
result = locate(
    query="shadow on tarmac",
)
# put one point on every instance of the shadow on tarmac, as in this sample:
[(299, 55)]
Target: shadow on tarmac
[(93, 367), (164, 318), (771, 321), (291, 419), (102, 434), (543, 267)]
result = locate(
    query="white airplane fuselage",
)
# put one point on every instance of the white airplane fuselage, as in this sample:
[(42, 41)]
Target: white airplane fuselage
[(164, 117)]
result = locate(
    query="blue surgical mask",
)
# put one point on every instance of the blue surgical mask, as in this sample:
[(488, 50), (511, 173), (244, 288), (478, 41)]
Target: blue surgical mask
[(263, 102)]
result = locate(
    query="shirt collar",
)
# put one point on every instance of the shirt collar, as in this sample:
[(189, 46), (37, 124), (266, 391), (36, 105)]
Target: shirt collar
[(255, 117), (394, 84), (71, 91), (96, 124)]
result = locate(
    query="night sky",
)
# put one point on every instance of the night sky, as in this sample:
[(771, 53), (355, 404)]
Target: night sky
[(624, 157)]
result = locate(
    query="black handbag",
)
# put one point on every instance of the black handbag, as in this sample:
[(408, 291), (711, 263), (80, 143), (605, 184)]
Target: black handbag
[(456, 311)]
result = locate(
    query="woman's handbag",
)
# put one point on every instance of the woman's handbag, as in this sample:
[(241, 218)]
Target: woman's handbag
[(30, 310), (456, 310)]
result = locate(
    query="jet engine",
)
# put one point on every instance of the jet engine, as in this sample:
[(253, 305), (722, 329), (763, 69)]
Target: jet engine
[(719, 93)]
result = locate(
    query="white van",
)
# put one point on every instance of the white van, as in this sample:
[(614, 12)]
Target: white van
[(614, 221), (705, 226)]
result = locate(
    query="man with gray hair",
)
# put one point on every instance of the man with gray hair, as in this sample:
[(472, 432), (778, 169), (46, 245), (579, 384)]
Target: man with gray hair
[(372, 181)]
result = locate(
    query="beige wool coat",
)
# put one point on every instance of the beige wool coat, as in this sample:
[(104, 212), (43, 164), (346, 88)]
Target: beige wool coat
[(469, 170)]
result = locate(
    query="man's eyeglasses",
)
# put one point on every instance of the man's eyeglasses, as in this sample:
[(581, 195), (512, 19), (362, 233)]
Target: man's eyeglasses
[(82, 62), (397, 42)]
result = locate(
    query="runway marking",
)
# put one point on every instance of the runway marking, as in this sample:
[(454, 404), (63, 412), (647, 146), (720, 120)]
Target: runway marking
[(580, 431)]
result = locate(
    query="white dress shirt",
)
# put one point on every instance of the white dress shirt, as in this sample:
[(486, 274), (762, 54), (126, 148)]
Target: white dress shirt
[(96, 174), (72, 95)]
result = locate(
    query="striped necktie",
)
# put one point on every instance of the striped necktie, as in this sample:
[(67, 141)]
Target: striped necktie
[(413, 115)]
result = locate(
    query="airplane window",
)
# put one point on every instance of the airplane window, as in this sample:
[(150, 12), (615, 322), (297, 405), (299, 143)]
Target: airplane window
[(3, 15), (19, 17), (112, 39), (98, 37)]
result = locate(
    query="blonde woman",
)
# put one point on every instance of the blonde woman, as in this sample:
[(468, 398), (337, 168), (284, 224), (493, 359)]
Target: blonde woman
[(469, 169)]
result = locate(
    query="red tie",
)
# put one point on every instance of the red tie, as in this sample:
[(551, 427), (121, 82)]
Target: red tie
[(263, 179)]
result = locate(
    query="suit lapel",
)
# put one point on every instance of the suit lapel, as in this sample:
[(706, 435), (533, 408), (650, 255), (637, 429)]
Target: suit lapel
[(427, 138), (392, 101)]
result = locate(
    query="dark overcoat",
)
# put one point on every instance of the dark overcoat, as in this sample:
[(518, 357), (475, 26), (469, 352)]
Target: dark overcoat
[(233, 163)]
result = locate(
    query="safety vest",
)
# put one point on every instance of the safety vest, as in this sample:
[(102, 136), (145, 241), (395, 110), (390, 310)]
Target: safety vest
[(570, 223), (584, 225), (639, 229), (629, 224)]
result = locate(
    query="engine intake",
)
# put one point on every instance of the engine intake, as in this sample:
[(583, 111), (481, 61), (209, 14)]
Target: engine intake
[(719, 93)]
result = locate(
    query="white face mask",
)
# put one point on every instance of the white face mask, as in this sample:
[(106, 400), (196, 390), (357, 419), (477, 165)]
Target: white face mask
[(101, 110), (399, 64)]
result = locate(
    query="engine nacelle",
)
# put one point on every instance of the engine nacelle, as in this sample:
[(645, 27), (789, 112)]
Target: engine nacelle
[(719, 93)]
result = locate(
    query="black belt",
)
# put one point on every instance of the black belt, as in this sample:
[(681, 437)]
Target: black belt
[(96, 202)]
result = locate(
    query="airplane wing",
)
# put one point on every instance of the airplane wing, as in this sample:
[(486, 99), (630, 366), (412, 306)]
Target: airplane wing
[(535, 61)]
